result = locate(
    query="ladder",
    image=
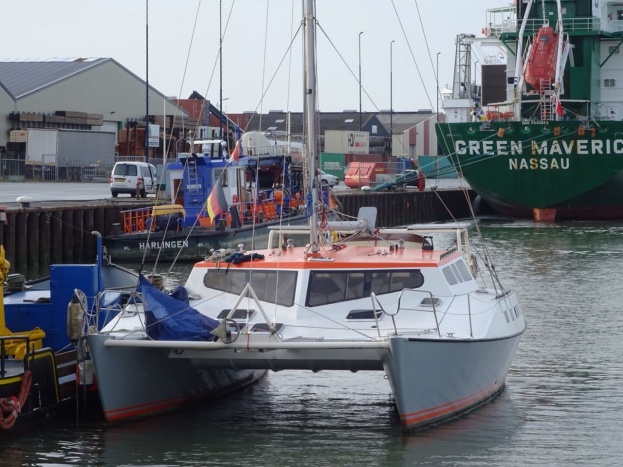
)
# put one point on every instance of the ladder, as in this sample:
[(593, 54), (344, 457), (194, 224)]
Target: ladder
[(193, 177), (547, 103)]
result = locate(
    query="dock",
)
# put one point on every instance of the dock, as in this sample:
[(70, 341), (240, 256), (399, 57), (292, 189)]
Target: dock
[(58, 232)]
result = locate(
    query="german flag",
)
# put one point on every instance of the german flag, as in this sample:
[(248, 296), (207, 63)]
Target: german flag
[(216, 203)]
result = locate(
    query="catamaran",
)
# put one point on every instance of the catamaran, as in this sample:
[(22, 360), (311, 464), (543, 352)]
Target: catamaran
[(350, 296)]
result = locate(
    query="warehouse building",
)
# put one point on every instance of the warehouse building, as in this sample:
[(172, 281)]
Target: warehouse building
[(82, 95), (72, 98)]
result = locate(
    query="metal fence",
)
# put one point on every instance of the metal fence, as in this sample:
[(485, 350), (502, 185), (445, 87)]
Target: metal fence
[(53, 169)]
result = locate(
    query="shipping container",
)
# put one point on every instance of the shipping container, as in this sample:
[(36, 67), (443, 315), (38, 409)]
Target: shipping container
[(353, 142), (57, 145), (333, 164)]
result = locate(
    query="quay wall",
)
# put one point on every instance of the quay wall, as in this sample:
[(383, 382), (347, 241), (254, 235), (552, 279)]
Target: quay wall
[(410, 207), (37, 236)]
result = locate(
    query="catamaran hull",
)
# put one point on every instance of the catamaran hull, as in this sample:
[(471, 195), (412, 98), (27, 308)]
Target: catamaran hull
[(435, 380), (136, 383)]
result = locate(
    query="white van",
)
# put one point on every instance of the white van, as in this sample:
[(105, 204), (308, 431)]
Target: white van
[(127, 176)]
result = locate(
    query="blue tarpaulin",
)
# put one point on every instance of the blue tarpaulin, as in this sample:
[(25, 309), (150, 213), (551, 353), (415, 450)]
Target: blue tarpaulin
[(171, 319)]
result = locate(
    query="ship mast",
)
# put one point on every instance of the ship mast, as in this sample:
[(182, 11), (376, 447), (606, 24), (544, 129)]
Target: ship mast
[(519, 66), (559, 57), (310, 111)]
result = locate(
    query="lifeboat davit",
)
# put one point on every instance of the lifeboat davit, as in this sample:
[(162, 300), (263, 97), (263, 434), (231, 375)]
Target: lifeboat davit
[(541, 64)]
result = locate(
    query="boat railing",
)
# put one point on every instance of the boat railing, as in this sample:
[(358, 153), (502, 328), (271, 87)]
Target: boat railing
[(376, 303), (9, 346), (135, 220), (572, 25), (429, 301)]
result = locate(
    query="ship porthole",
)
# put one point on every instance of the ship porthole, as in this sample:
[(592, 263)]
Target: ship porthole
[(545, 129), (525, 129), (471, 130), (564, 129), (603, 129), (508, 130)]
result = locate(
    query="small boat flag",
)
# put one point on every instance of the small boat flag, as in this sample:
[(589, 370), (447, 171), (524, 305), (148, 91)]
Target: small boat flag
[(235, 154), (216, 203), (558, 105)]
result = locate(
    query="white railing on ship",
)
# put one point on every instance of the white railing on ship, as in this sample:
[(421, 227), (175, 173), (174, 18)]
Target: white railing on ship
[(375, 302), (570, 24)]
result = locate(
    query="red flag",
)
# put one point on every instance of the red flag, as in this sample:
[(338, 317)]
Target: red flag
[(559, 110), (235, 155), (216, 203)]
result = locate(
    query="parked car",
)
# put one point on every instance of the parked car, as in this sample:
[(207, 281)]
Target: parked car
[(133, 178), (328, 179)]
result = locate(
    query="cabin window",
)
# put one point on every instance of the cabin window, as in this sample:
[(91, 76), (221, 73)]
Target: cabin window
[(609, 83), (456, 272), (336, 286), (269, 286), (449, 275), (462, 267)]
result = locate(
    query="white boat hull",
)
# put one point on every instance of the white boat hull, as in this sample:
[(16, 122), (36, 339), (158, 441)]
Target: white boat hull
[(434, 380), (137, 382)]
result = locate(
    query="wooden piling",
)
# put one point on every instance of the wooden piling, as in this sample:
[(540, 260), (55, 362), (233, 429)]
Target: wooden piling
[(38, 236)]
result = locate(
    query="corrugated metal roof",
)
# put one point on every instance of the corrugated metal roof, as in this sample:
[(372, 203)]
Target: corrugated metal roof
[(21, 77), (346, 121)]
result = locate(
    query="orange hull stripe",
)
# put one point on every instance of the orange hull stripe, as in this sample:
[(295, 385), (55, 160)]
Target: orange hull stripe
[(448, 408), (143, 409)]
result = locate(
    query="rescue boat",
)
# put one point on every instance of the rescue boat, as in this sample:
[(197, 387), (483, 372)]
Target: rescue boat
[(541, 63)]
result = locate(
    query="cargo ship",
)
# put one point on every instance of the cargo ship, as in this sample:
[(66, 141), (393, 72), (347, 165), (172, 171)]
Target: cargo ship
[(542, 136)]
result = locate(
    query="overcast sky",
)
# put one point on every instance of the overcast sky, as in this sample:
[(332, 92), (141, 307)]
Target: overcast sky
[(183, 46)]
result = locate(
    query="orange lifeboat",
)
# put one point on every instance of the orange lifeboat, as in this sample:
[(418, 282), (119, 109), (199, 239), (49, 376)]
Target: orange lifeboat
[(541, 64)]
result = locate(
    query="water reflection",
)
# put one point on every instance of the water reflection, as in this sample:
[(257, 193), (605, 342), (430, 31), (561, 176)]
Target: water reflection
[(561, 406)]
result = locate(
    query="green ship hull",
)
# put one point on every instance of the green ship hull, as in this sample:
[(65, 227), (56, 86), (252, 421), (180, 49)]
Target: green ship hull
[(542, 136), (517, 167)]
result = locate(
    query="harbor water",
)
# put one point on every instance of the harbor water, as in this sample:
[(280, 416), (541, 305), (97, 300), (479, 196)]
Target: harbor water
[(562, 404)]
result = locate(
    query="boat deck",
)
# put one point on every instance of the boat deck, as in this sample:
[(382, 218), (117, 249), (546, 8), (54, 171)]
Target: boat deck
[(349, 256)]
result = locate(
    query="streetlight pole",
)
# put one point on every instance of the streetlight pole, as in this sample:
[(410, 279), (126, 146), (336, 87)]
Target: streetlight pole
[(391, 79), (360, 80), (437, 79), (438, 93), (146, 149)]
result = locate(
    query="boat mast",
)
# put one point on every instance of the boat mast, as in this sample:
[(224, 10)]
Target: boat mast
[(559, 69), (519, 66), (310, 110)]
